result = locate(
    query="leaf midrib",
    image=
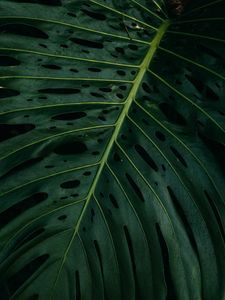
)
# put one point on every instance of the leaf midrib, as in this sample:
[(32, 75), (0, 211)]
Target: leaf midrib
[(131, 97)]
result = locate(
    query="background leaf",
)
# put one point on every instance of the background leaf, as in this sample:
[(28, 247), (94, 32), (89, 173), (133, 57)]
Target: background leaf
[(112, 150)]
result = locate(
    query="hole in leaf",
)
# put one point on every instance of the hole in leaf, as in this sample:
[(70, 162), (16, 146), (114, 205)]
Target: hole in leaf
[(97, 248), (8, 61), (183, 219), (196, 83), (120, 96), (60, 91), (123, 87), (21, 276), (132, 258), (97, 95), (70, 184), (171, 114), (211, 95), (8, 131), (70, 116), (146, 157), (94, 15), (216, 213), (52, 67), (121, 73), (62, 217), (15, 210), (95, 152), (77, 280), (133, 47), (49, 166), (179, 156), (70, 148), (92, 212), (120, 50), (43, 46), (208, 51), (113, 200), (145, 122), (29, 237), (216, 148), (71, 15), (87, 173), (74, 195), (117, 157), (160, 136), (135, 188), (29, 163), (5, 93), (146, 88), (97, 70), (23, 29), (171, 293), (85, 51), (74, 70), (106, 90), (87, 43), (102, 118)]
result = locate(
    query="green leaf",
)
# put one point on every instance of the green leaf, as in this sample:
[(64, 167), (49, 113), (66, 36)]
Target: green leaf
[(112, 150)]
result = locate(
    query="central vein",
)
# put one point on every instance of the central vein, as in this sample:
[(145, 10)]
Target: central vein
[(132, 94), (142, 70)]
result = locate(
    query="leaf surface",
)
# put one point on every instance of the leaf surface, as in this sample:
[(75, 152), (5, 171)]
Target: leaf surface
[(112, 150)]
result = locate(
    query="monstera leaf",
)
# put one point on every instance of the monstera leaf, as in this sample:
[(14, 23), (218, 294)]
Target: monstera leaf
[(112, 130)]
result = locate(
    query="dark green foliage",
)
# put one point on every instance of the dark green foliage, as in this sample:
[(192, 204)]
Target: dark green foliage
[(112, 156)]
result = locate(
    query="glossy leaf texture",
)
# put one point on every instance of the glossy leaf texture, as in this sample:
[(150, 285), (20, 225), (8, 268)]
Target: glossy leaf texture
[(112, 156)]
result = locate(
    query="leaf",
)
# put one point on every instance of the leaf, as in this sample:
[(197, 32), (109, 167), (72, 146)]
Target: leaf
[(112, 150)]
